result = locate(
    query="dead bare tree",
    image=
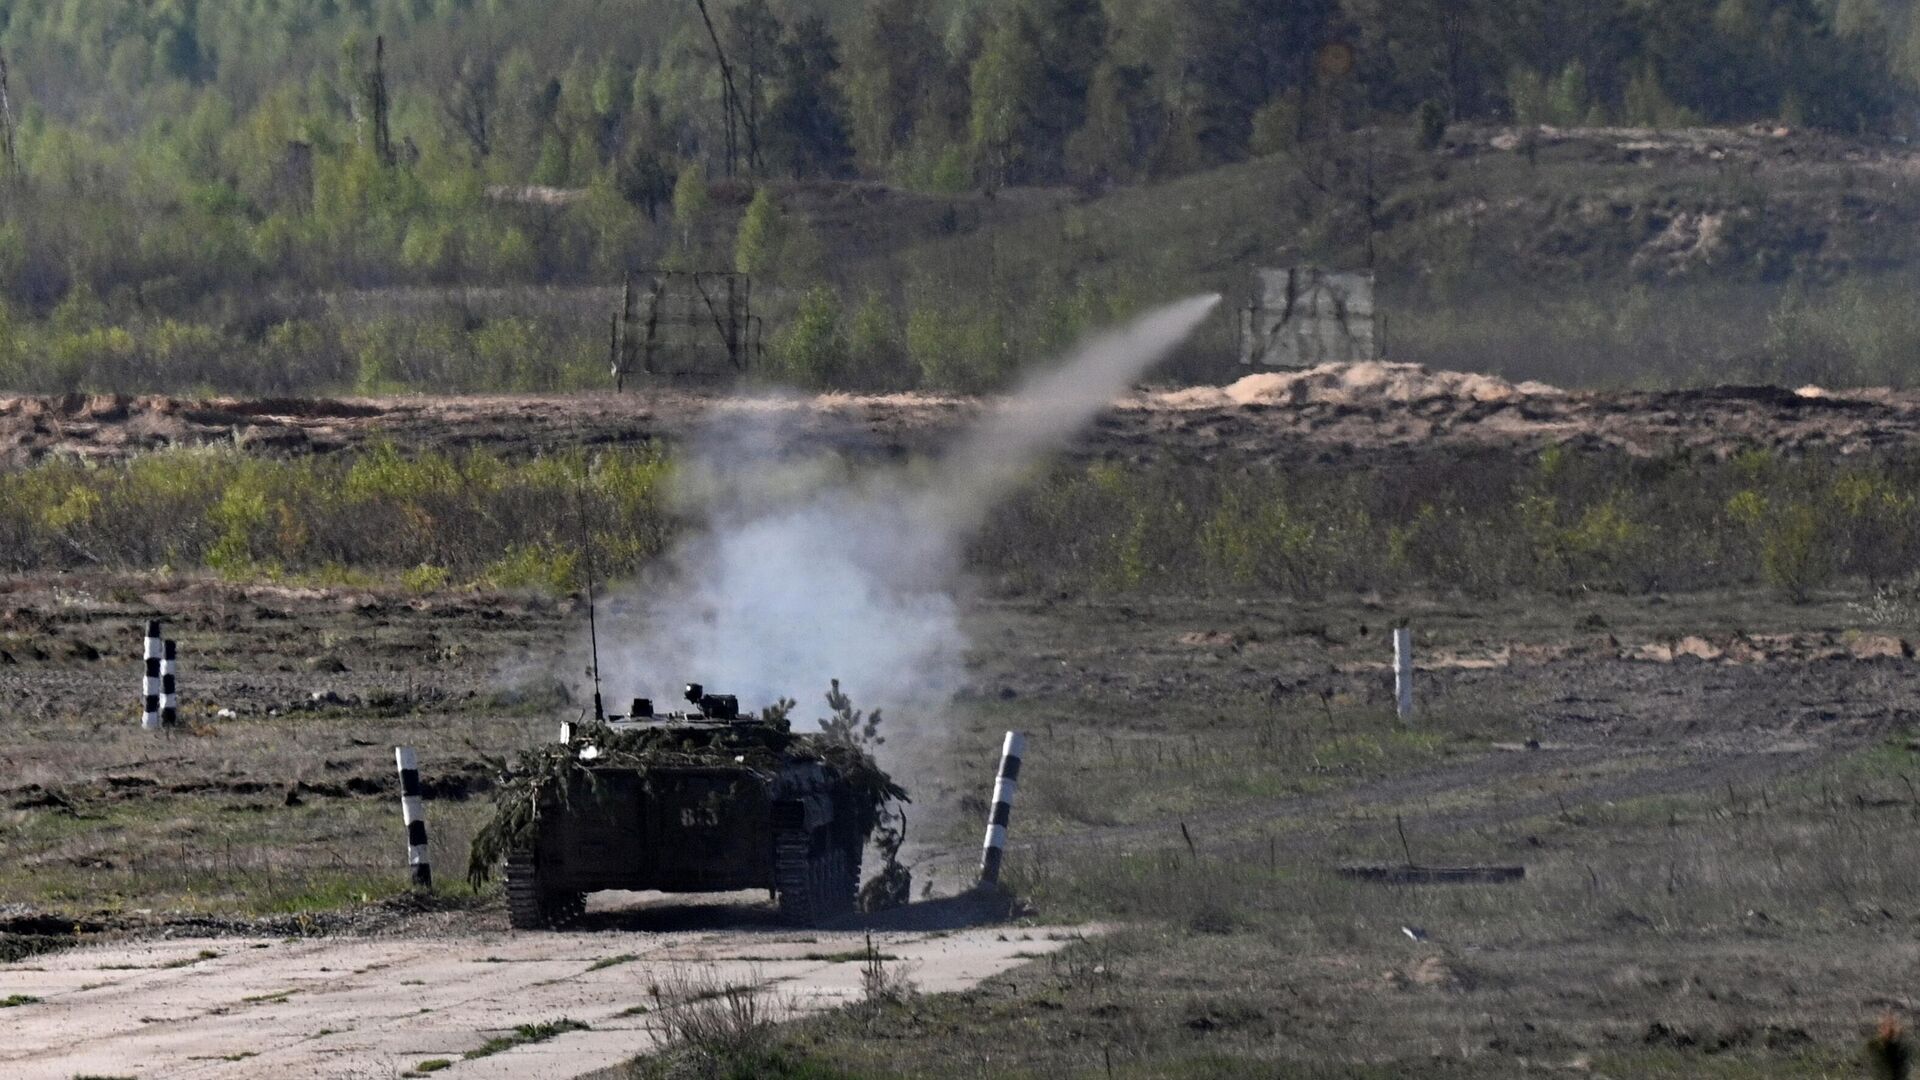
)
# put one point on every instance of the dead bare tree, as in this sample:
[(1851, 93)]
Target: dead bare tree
[(469, 104), (730, 97), (756, 37), (377, 102), (1345, 173), (6, 126)]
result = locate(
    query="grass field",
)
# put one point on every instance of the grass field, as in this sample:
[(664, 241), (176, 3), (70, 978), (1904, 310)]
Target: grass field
[(1712, 886), (1664, 664)]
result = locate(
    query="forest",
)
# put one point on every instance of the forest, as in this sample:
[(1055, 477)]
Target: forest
[(236, 195)]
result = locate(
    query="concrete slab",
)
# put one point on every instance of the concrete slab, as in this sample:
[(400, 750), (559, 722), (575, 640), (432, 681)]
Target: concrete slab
[(356, 1008)]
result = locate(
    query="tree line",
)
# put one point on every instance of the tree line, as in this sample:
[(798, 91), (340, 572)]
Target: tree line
[(163, 157), (1010, 91)]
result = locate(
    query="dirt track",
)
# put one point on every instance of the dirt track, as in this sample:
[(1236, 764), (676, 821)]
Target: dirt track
[(1332, 413), (326, 1008)]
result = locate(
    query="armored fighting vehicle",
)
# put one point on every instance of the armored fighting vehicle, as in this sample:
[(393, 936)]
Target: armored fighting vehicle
[(705, 800)]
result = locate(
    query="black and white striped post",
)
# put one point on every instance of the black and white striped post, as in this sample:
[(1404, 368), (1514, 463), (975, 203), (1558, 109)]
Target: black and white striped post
[(150, 680), (414, 813), (1004, 786), (169, 693)]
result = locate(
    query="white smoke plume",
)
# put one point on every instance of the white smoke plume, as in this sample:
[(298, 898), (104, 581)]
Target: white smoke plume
[(803, 573)]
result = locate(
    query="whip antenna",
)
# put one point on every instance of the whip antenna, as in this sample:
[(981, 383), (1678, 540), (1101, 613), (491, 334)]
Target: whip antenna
[(586, 547)]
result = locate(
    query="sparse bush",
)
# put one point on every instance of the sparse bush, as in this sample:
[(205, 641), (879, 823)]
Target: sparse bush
[(883, 983), (715, 1023), (1794, 552)]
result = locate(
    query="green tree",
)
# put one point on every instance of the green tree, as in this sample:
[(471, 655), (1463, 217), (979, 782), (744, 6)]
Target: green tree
[(1235, 56), (896, 64), (1446, 51), (1568, 98), (643, 174), (806, 129), (691, 202), (1528, 97), (1276, 126), (761, 235), (1029, 87), (1121, 128), (1070, 40), (554, 165), (813, 351), (1006, 80), (1645, 104)]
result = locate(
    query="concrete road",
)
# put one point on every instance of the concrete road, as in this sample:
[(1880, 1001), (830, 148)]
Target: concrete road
[(361, 1008)]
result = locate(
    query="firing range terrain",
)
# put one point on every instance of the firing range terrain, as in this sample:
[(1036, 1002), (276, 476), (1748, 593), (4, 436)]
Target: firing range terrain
[(1660, 585), (1708, 786), (1335, 412)]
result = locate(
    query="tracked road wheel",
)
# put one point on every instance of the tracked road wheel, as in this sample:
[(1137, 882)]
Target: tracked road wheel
[(816, 879), (532, 907)]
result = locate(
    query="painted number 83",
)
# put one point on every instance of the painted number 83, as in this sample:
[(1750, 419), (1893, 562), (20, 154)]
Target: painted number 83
[(699, 817)]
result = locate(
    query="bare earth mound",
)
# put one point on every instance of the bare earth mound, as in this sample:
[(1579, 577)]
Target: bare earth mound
[(1355, 385), (1331, 412)]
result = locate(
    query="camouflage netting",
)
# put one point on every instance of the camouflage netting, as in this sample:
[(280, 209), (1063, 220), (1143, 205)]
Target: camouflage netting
[(545, 776)]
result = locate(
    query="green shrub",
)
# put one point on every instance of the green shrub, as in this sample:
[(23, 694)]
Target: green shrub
[(427, 246), (1856, 332), (385, 473), (1794, 552), (423, 520), (1276, 126), (244, 510), (424, 578), (958, 350), (876, 355), (541, 567), (1431, 121), (511, 353), (759, 239), (814, 352)]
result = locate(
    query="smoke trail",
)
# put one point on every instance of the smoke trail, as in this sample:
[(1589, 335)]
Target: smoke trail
[(1050, 408), (792, 582)]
